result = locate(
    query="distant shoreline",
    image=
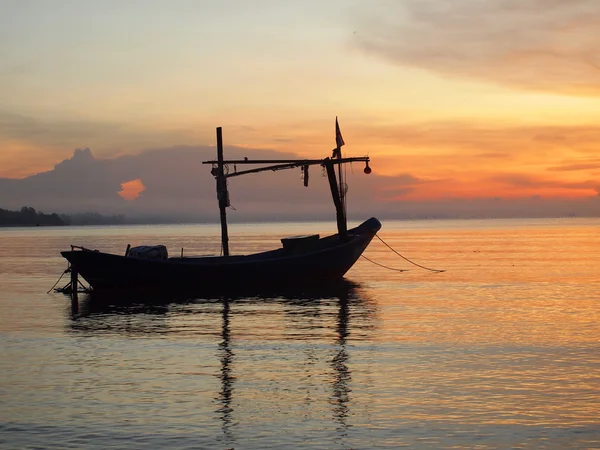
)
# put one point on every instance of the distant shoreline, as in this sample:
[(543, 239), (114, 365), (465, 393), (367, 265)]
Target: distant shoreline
[(29, 217)]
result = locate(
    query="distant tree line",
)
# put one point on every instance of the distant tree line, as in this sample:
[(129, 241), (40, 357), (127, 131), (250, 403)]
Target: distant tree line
[(90, 218), (28, 216)]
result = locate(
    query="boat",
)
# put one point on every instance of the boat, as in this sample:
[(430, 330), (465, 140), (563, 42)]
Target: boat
[(301, 261)]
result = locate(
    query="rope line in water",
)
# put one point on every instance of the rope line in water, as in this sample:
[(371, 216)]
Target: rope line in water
[(406, 259), (58, 281), (381, 265)]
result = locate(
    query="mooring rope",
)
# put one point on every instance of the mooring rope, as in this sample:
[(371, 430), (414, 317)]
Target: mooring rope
[(60, 278), (83, 286), (406, 259), (381, 265)]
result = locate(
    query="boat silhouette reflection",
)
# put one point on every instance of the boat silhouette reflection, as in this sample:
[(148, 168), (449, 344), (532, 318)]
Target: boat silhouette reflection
[(156, 301), (342, 311)]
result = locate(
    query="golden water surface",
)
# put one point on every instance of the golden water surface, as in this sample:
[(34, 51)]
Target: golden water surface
[(501, 350)]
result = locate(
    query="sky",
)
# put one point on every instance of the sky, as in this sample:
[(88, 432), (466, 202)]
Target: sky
[(453, 100)]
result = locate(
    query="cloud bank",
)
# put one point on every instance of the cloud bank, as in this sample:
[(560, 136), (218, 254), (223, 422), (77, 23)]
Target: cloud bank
[(541, 45), (178, 188)]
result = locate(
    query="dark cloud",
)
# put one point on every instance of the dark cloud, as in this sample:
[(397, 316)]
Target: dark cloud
[(547, 45), (453, 159), (179, 187)]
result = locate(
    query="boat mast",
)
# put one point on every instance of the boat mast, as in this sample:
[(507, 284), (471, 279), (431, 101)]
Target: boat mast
[(222, 193), (337, 198), (340, 194), (336, 186)]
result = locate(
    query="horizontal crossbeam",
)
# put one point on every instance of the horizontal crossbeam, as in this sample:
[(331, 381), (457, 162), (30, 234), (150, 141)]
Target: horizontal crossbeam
[(282, 164)]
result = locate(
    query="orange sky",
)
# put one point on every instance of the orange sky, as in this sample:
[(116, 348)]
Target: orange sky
[(484, 98)]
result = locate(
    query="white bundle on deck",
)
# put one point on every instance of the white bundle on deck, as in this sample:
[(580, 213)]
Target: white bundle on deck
[(149, 252)]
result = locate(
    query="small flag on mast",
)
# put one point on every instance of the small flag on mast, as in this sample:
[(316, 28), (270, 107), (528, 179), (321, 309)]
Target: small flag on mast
[(339, 140)]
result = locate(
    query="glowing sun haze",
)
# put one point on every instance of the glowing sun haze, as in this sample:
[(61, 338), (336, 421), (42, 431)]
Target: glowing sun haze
[(130, 190), (469, 98)]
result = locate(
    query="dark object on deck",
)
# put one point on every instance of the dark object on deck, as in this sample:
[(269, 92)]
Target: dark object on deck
[(158, 252)]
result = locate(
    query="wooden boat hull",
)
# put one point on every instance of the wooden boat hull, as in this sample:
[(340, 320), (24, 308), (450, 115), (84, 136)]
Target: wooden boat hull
[(325, 260)]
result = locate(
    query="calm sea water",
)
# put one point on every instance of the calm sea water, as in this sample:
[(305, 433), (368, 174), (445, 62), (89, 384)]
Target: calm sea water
[(502, 350)]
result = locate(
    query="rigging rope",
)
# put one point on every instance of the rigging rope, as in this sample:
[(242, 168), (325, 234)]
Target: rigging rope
[(406, 259), (58, 281), (381, 265)]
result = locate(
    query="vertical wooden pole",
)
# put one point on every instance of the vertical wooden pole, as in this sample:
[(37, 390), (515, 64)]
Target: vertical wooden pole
[(341, 182), (74, 307), (74, 282), (222, 194), (339, 207)]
